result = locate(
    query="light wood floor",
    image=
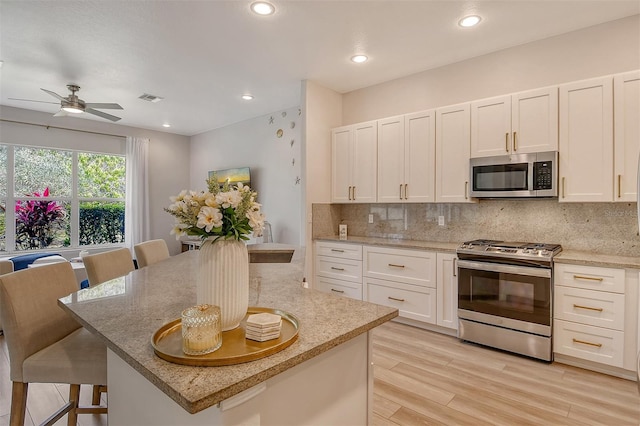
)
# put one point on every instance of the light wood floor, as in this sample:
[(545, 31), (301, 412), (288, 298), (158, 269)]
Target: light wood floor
[(424, 378)]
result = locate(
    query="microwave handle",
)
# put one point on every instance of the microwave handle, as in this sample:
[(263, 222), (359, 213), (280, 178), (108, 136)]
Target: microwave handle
[(507, 269)]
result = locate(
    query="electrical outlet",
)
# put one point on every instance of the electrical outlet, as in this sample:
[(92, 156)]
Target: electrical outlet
[(441, 220), (370, 218)]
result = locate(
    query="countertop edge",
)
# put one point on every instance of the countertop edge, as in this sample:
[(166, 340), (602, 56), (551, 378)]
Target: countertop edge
[(443, 247)]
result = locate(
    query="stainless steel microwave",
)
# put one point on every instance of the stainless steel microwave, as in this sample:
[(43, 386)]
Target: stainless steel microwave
[(515, 176)]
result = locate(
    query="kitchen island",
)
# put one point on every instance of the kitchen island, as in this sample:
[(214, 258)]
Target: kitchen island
[(325, 377)]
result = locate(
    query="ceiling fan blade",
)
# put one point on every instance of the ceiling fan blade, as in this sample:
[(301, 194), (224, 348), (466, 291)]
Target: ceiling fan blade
[(33, 100), (55, 95), (61, 113), (102, 114), (102, 106)]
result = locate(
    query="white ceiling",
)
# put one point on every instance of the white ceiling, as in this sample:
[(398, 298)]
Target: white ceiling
[(200, 56)]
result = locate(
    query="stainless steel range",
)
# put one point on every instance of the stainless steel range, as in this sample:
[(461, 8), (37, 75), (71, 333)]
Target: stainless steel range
[(505, 294)]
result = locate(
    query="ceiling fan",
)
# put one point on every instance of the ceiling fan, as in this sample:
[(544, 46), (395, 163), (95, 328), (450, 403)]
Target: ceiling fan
[(74, 105)]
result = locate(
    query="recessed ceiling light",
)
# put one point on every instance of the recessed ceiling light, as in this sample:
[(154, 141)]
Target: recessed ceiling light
[(262, 8), (166, 125), (469, 21), (359, 59), (247, 97)]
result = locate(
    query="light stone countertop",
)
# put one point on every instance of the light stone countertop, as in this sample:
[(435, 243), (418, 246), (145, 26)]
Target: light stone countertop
[(565, 256), (125, 313), (395, 242)]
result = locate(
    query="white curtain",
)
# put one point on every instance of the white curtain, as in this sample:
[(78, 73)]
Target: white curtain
[(136, 221)]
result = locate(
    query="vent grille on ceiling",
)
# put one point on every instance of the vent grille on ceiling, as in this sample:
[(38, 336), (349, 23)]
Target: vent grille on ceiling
[(150, 98)]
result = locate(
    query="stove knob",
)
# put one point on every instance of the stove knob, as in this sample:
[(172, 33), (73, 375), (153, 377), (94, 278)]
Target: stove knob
[(545, 252)]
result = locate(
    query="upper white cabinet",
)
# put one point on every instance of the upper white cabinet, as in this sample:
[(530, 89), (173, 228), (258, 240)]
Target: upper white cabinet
[(354, 161), (626, 107), (513, 124), (586, 140), (452, 153), (406, 158)]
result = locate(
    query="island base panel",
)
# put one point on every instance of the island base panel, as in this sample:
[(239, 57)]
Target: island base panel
[(333, 388)]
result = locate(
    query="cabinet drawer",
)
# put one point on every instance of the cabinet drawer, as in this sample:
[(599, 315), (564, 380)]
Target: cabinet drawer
[(587, 342), (589, 277), (339, 250), (417, 303), (406, 266), (597, 308), (341, 269), (339, 287)]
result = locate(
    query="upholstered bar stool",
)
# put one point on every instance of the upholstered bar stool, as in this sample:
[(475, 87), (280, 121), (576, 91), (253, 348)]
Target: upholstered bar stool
[(108, 265), (151, 252), (46, 345), (6, 266)]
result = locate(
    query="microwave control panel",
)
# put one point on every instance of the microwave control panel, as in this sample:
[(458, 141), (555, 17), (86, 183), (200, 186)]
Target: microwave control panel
[(542, 175)]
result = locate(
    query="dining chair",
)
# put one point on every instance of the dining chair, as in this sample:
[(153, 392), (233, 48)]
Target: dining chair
[(108, 265), (150, 252), (45, 344), (6, 266)]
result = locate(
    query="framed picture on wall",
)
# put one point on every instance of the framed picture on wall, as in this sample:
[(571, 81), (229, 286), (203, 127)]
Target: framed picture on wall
[(233, 176)]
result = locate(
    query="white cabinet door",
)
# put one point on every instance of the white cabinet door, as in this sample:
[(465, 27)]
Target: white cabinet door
[(447, 291), (626, 95), (586, 140), (365, 162), (391, 156), (419, 157), (534, 121), (491, 127), (341, 164), (452, 153), (354, 163)]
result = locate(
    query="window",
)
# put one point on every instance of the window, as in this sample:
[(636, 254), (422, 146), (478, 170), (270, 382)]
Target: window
[(62, 198)]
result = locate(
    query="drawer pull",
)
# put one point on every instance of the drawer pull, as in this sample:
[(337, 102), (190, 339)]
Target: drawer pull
[(337, 269), (582, 277), (337, 291), (587, 307), (396, 266), (338, 250), (393, 298), (597, 345)]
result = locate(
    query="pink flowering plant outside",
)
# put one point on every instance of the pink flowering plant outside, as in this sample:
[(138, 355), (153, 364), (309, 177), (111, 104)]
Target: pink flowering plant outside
[(38, 221), (228, 213)]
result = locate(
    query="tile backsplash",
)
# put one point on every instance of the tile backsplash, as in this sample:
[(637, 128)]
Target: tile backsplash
[(605, 228)]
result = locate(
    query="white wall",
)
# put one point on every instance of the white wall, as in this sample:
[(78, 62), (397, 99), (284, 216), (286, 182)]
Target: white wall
[(275, 164), (168, 154), (599, 50)]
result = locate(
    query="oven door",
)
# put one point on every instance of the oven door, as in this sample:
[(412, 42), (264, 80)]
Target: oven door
[(517, 297)]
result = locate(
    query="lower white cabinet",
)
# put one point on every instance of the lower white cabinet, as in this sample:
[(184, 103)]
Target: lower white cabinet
[(338, 269), (447, 290), (413, 302), (596, 314)]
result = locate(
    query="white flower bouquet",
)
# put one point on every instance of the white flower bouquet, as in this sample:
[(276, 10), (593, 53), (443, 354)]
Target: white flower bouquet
[(229, 213)]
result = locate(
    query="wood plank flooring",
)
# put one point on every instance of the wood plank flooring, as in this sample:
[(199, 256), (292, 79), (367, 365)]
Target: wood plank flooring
[(424, 378)]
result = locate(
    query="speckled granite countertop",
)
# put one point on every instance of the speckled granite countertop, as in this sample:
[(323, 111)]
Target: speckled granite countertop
[(398, 243), (126, 312), (566, 256), (591, 259)]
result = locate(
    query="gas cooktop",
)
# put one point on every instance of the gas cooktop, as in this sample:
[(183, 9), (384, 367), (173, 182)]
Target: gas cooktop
[(516, 250)]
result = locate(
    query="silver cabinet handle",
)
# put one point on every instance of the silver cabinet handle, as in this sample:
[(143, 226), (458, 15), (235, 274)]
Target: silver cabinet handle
[(406, 191), (455, 267), (466, 190), (337, 269), (562, 186), (506, 141), (401, 191), (396, 266), (393, 298), (515, 143), (582, 277), (619, 185), (354, 193), (337, 291), (338, 250)]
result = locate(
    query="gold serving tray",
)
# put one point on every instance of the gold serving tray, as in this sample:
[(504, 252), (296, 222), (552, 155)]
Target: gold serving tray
[(235, 349)]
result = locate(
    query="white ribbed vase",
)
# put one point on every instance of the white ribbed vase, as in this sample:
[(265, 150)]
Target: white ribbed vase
[(223, 279)]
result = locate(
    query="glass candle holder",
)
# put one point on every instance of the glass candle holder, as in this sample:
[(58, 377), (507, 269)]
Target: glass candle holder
[(201, 329)]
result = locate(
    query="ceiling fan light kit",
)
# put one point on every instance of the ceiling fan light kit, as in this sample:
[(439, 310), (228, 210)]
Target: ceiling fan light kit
[(73, 104)]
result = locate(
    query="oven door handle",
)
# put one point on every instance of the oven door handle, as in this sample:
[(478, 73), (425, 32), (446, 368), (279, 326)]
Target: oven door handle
[(507, 269)]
